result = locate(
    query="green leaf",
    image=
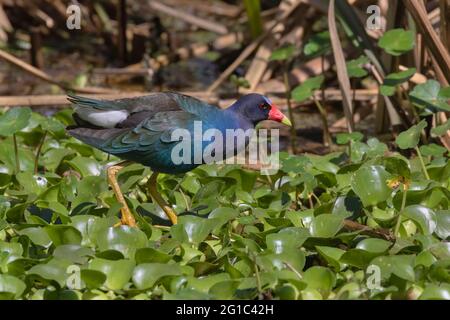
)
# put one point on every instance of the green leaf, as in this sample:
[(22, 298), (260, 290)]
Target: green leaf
[(436, 292), (37, 235), (441, 130), (374, 245), (326, 226), (14, 120), (92, 278), (344, 138), (397, 41), (224, 290), (124, 239), (13, 285), (54, 270), (73, 253), (318, 44), (86, 166), (192, 229), (283, 53), (281, 242), (443, 224), (432, 150), (63, 234), (147, 255), (331, 255), (355, 67), (394, 79), (320, 279), (430, 97), (306, 89), (441, 250), (424, 217), (369, 183), (147, 274), (401, 265), (410, 138), (32, 183), (117, 272)]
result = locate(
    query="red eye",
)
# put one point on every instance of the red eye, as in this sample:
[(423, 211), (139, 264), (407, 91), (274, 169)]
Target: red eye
[(264, 106)]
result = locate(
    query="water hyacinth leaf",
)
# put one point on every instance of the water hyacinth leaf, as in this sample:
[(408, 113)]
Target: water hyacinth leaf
[(147, 274), (280, 242), (331, 255), (347, 206), (320, 279), (306, 89), (400, 265), (436, 292), (204, 284), (425, 258), (443, 224), (394, 79), (14, 120), (295, 164), (193, 229), (424, 217), (32, 183), (398, 166), (8, 158), (441, 129), (369, 183), (429, 97), (410, 138), (318, 44), (93, 279), (124, 239), (117, 272), (224, 290), (432, 150), (440, 269), (148, 255), (73, 253), (397, 41), (374, 245), (326, 225), (12, 285), (355, 68), (344, 138), (86, 166), (441, 251), (358, 258), (283, 53), (290, 258), (376, 148), (87, 188), (223, 215), (63, 234), (37, 235), (54, 270)]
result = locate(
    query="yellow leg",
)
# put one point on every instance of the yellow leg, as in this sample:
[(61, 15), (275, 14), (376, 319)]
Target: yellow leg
[(170, 213), (127, 217)]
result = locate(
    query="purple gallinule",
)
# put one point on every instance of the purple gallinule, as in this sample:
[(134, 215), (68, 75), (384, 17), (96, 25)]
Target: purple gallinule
[(141, 130)]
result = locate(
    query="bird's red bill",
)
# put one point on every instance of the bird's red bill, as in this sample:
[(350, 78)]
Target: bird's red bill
[(276, 115)]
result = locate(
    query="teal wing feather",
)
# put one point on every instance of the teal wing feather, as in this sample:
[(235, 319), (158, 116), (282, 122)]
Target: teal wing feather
[(164, 101)]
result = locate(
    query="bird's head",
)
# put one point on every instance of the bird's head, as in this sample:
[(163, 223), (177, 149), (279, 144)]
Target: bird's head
[(256, 107)]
